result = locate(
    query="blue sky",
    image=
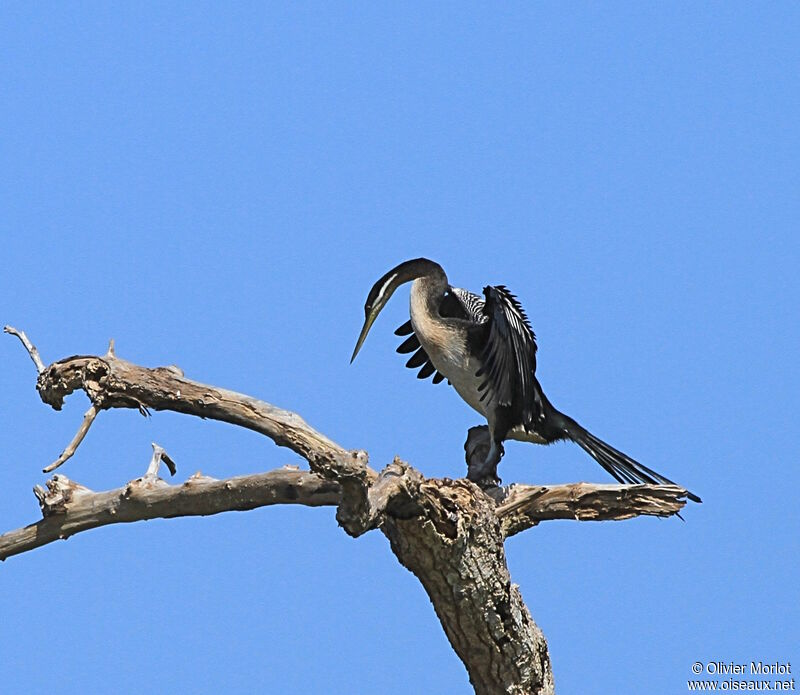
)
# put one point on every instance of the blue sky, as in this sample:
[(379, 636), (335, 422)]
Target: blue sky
[(219, 186)]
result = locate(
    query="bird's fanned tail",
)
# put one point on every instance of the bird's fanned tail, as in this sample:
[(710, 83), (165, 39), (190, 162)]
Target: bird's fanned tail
[(620, 466)]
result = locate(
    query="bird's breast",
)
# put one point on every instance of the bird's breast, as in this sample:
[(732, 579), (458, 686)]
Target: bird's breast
[(445, 342)]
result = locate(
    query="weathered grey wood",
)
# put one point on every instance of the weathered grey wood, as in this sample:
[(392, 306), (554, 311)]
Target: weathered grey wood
[(449, 533), (454, 546), (72, 447), (69, 508), (111, 382), (28, 345), (522, 506)]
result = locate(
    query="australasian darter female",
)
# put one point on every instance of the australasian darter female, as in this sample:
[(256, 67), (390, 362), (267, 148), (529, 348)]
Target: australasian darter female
[(487, 350)]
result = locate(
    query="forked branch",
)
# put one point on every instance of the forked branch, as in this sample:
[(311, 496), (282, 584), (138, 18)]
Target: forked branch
[(449, 533)]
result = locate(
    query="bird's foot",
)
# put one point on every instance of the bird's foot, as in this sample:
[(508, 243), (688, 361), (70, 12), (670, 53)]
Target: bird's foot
[(482, 456), (484, 478)]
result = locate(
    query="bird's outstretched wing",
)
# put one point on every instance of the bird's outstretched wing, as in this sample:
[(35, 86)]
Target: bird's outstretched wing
[(509, 357), (420, 357), (456, 303)]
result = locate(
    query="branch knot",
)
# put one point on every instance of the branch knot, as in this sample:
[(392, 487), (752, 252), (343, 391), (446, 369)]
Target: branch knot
[(60, 493)]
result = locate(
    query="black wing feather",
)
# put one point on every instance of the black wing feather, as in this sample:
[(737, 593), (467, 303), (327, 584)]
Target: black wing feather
[(405, 329), (420, 357), (426, 371), (409, 344), (509, 357)]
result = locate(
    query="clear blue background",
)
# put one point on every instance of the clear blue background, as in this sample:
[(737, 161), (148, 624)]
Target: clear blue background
[(219, 185)]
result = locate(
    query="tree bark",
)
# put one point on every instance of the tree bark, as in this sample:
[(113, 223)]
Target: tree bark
[(455, 548), (449, 533)]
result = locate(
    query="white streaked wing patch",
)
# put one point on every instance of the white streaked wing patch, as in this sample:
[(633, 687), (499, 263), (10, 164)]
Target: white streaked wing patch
[(472, 303)]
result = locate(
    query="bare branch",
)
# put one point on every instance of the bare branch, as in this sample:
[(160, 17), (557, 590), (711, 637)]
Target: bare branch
[(396, 494), (72, 447), (159, 456), (29, 346), (111, 382), (524, 506), (69, 508)]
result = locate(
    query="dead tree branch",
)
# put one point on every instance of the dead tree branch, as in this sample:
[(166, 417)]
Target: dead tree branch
[(111, 382), (72, 447), (524, 506), (69, 508), (449, 533), (28, 345)]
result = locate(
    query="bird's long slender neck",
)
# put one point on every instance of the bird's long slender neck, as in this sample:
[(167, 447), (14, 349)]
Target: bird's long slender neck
[(427, 292), (444, 340), (419, 269), (424, 271)]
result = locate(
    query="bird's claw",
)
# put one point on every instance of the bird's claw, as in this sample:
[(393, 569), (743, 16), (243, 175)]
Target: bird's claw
[(485, 473)]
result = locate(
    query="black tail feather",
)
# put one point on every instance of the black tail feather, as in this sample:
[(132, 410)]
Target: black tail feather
[(620, 466)]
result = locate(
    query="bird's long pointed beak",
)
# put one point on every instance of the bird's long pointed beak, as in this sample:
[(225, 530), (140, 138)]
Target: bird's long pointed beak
[(361, 338)]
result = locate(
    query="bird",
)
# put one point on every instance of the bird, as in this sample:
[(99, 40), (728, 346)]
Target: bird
[(486, 349)]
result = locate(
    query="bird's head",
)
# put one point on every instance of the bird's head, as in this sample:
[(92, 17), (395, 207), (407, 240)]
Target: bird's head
[(383, 289)]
